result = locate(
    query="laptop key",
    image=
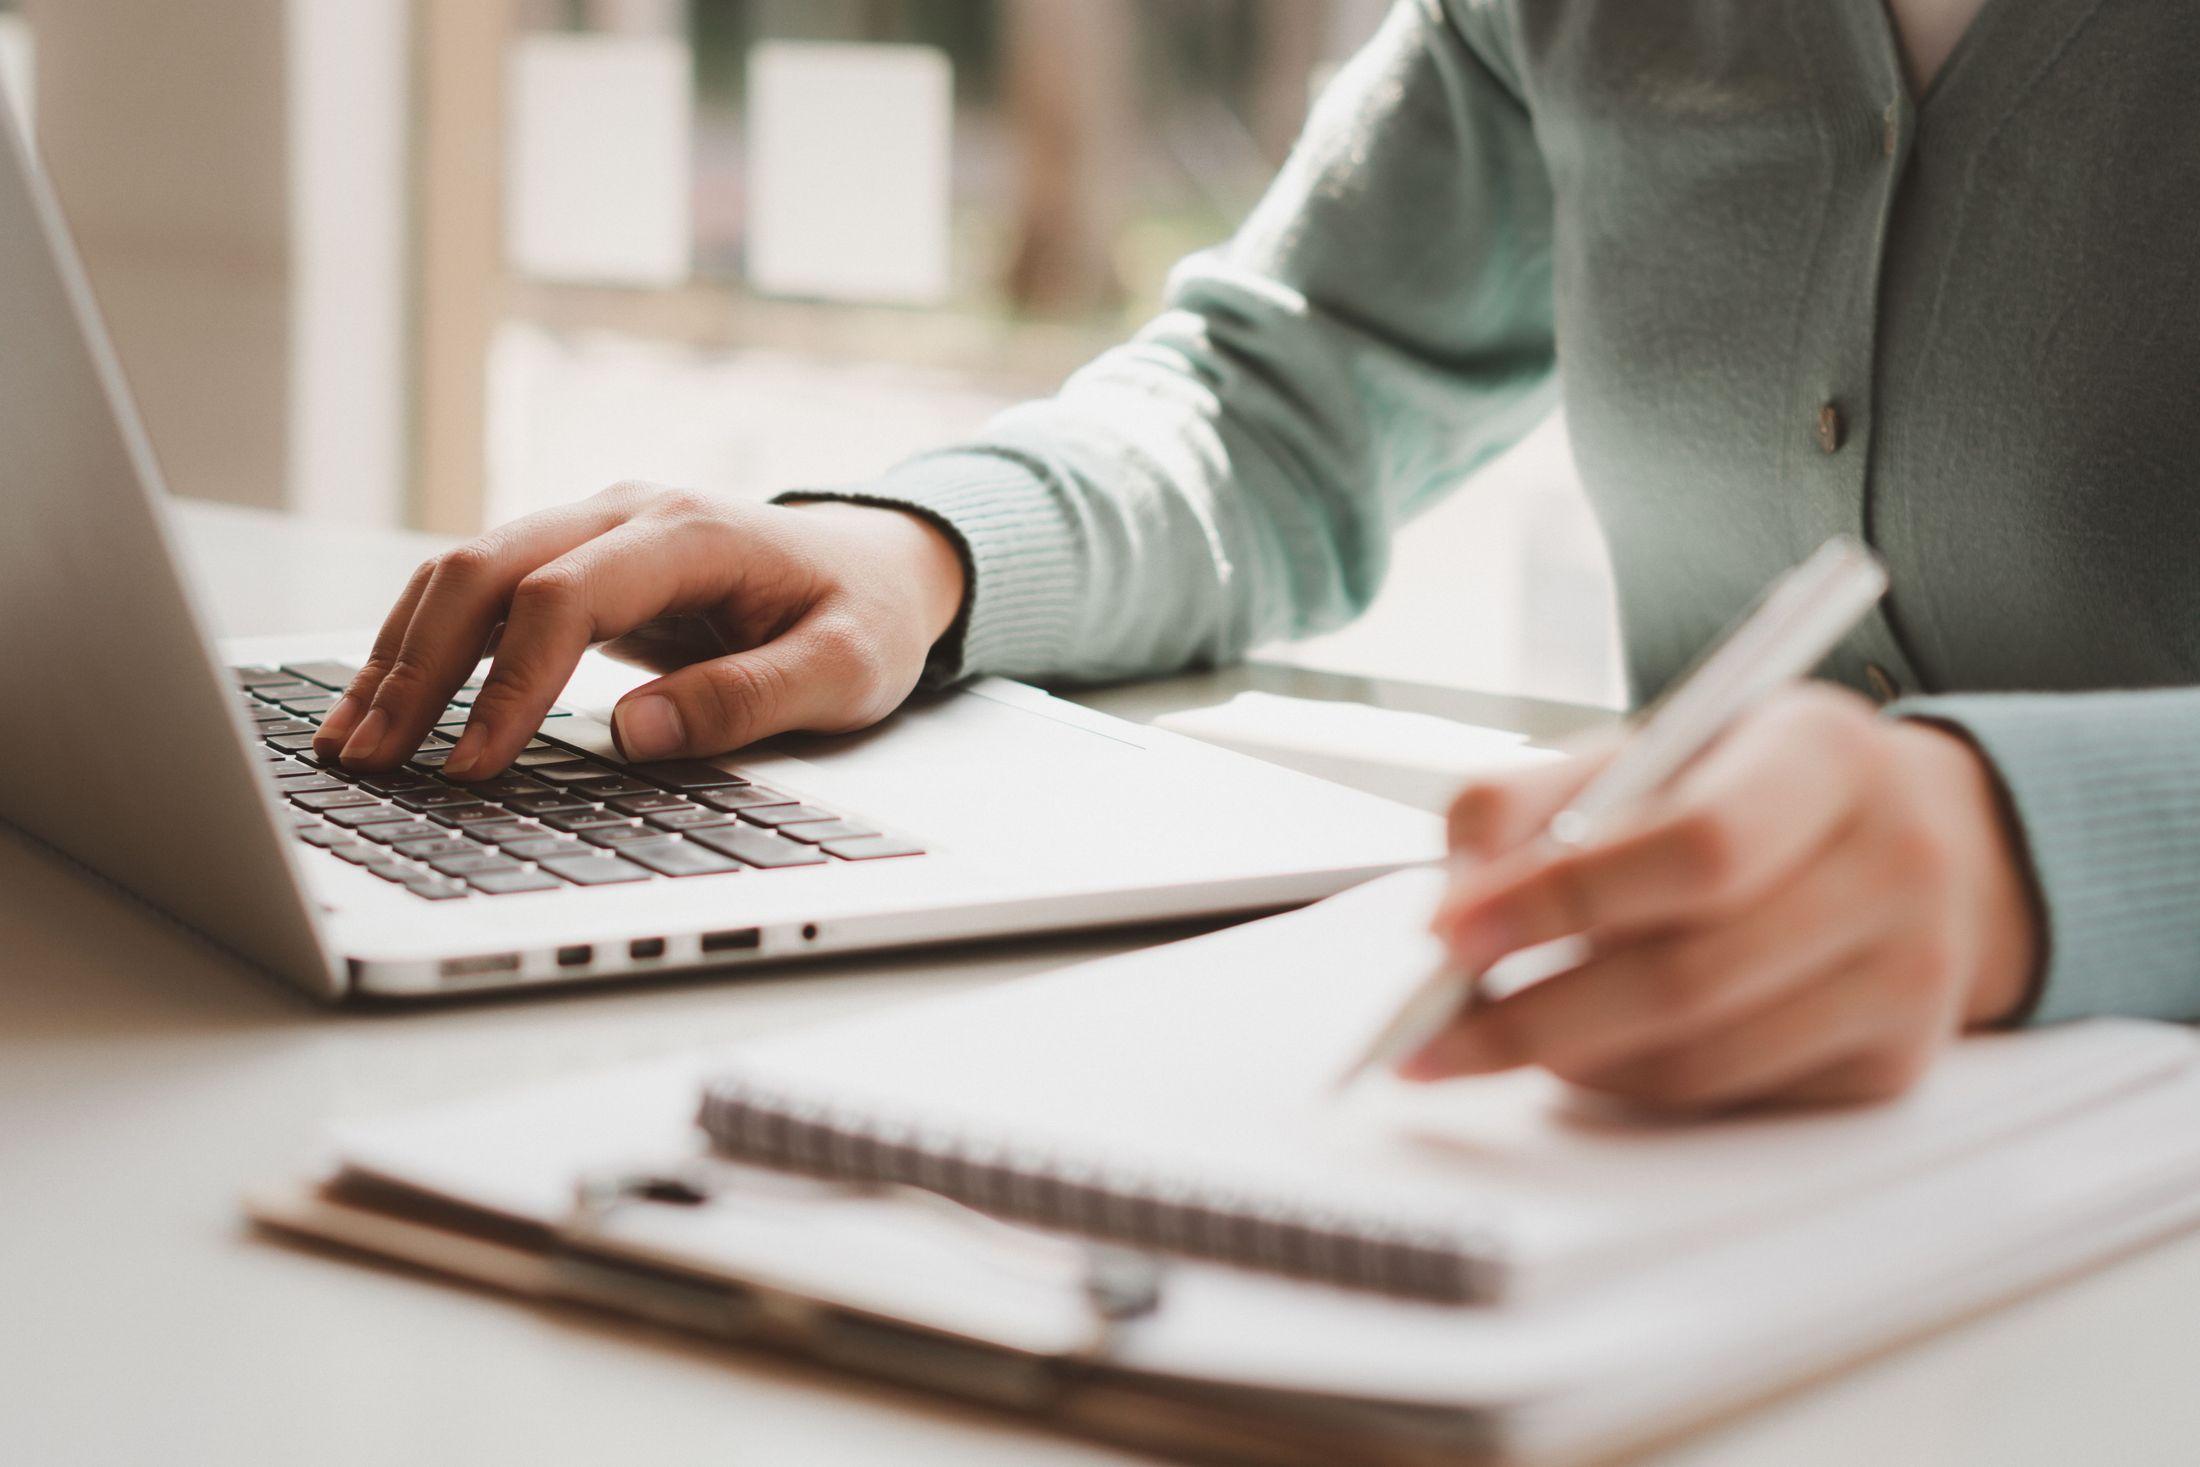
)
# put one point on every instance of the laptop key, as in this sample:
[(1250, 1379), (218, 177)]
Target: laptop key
[(367, 815), (587, 818), (604, 789), (873, 848), (397, 782), (398, 832), (318, 834), (620, 835), (359, 855), (437, 888), (748, 798), (308, 782), (773, 816), (474, 861), (390, 870), (312, 707), (497, 832), (546, 805), (253, 677), (296, 743), (594, 870), (675, 857), (444, 845), (540, 847), (650, 804), (756, 847), (508, 883), (538, 754), (465, 815), (573, 773), (431, 757), (288, 687), (817, 832), (436, 797), (336, 799), (326, 672), (507, 787), (686, 774), (689, 817)]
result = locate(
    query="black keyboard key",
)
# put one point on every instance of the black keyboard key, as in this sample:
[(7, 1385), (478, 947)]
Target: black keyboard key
[(508, 883), (575, 772), (653, 803), (253, 677), (397, 782), (437, 888), (588, 818), (689, 817), (263, 714), (771, 817), (328, 674), (437, 797), (817, 832), (318, 834), (308, 782), (507, 787), (750, 797), (497, 832), (606, 788), (444, 845), (390, 870), (431, 757), (275, 757), (756, 847), (873, 848), (465, 815), (545, 805), (313, 707), (620, 835), (678, 858), (686, 774), (286, 726), (288, 687), (594, 870), (367, 815), (474, 861), (540, 847), (398, 832), (538, 754), (336, 799), (359, 855), (294, 742)]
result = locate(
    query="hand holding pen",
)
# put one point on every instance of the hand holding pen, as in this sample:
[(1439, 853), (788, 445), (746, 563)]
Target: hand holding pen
[(1791, 897)]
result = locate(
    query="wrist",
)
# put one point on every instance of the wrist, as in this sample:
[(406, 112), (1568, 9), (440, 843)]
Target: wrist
[(1999, 887), (931, 556)]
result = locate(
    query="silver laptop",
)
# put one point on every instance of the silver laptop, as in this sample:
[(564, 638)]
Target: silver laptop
[(183, 772)]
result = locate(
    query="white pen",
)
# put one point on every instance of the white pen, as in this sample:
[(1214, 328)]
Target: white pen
[(1799, 619)]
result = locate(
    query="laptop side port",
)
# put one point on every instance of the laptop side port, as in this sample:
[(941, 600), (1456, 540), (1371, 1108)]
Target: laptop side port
[(479, 966), (646, 947), (733, 939), (577, 956)]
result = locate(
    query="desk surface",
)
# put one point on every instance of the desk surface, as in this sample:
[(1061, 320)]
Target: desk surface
[(145, 1081)]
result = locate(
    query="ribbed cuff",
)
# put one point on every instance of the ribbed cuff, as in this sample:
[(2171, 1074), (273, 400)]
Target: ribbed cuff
[(2106, 790), (1020, 548)]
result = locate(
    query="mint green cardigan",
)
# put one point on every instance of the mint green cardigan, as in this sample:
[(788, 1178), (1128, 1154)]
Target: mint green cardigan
[(1780, 297)]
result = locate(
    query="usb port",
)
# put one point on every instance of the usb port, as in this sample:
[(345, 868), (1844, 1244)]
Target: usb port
[(575, 957), (476, 967), (733, 939), (646, 947)]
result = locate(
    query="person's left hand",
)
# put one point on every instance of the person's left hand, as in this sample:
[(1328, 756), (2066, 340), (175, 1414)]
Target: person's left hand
[(1808, 914)]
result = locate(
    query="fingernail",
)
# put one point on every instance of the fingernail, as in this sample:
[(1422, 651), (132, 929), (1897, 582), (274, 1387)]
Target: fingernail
[(367, 739), (648, 728), (337, 727), (466, 753)]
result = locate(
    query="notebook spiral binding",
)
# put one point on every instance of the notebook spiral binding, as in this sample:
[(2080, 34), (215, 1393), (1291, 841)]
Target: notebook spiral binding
[(747, 1122)]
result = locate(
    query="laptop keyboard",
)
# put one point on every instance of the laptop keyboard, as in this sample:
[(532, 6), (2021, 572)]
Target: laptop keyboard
[(559, 818)]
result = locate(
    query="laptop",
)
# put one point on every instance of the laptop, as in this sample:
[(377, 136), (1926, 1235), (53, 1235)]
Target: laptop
[(181, 771)]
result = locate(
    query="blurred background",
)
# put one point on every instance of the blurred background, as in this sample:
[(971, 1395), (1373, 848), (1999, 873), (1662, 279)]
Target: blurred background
[(436, 263)]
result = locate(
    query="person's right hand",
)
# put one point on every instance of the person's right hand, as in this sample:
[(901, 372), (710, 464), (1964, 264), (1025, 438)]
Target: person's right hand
[(766, 618)]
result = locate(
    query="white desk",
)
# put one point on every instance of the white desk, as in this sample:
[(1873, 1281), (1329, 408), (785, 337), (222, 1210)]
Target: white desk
[(144, 1081)]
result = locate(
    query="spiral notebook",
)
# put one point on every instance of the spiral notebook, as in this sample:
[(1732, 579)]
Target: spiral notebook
[(1179, 1099)]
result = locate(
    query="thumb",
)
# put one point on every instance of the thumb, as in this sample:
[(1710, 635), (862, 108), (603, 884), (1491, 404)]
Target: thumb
[(1493, 816), (711, 707)]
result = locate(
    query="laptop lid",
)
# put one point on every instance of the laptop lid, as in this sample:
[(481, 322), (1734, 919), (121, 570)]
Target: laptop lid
[(121, 738)]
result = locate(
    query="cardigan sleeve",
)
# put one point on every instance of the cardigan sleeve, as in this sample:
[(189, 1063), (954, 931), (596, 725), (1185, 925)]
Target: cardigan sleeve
[(1380, 325), (2104, 789)]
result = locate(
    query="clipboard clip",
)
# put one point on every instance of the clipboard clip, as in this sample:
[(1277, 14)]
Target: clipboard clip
[(1117, 1284)]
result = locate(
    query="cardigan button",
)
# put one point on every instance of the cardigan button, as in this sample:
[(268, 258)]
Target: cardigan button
[(1832, 429), (1883, 685)]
